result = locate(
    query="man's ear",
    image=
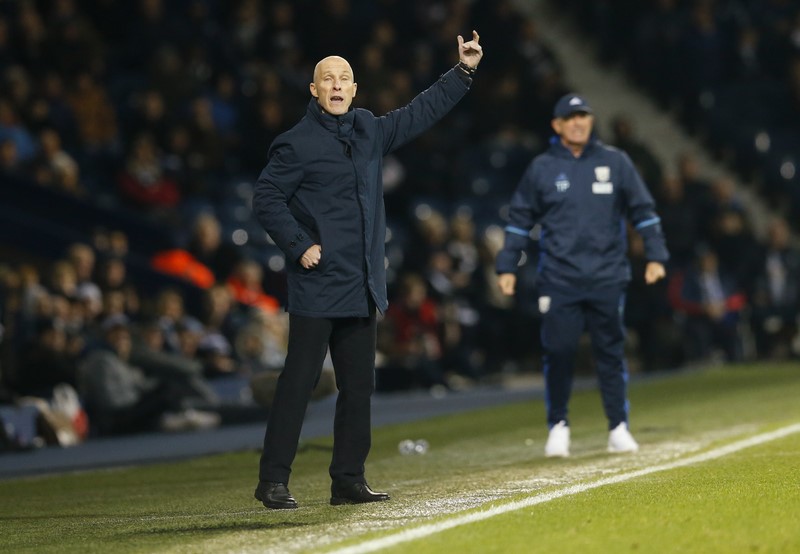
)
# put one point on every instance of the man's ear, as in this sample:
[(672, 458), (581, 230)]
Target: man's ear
[(355, 89), (556, 125), (313, 88)]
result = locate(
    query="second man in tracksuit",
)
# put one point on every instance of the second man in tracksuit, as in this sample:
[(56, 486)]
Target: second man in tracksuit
[(581, 191)]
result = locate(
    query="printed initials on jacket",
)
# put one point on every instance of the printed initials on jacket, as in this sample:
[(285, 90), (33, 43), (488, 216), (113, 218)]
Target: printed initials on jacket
[(562, 183)]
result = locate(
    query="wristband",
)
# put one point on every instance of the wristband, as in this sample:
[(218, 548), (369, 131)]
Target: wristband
[(470, 71)]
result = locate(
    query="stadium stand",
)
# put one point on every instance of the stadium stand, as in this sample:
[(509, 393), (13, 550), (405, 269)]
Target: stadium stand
[(124, 124)]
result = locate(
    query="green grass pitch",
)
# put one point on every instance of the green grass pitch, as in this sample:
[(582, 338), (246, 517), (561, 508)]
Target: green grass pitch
[(745, 501)]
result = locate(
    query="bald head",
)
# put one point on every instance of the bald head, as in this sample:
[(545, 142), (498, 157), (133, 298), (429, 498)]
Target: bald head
[(334, 85), (331, 62)]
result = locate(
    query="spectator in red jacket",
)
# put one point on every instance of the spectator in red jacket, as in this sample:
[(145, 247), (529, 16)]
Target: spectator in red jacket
[(410, 339), (710, 300), (245, 284), (142, 181)]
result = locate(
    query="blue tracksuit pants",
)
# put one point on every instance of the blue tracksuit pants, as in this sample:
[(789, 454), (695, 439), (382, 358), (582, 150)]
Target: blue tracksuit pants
[(566, 313)]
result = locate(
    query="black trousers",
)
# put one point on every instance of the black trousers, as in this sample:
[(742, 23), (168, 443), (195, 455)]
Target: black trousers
[(352, 343)]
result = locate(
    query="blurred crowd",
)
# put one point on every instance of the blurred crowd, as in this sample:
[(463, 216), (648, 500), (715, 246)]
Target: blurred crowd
[(728, 69), (157, 116)]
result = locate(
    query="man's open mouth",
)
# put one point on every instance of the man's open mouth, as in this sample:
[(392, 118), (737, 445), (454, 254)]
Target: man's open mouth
[(337, 99)]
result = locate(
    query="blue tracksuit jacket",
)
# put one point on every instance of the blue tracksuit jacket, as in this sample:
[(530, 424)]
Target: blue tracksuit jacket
[(581, 204)]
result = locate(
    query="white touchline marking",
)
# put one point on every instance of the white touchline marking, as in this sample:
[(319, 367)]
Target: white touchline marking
[(433, 528)]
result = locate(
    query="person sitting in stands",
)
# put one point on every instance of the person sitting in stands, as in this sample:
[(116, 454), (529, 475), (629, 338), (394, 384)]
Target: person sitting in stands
[(709, 299), (245, 284), (121, 398)]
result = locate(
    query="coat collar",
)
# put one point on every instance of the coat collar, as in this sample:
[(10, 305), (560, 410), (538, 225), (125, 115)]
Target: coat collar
[(342, 125)]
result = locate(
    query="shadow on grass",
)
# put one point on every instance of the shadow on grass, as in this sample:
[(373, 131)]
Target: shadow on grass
[(311, 447), (222, 527), (52, 516)]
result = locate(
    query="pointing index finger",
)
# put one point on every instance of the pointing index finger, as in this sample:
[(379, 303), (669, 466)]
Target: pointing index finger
[(475, 36)]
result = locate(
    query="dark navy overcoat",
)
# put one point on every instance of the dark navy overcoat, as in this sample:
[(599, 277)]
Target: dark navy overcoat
[(323, 184)]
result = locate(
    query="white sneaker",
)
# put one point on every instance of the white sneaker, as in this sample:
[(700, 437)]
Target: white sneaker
[(558, 441), (621, 440)]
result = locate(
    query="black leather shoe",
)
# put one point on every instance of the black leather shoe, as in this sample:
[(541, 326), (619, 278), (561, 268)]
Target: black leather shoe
[(354, 493), (275, 496)]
